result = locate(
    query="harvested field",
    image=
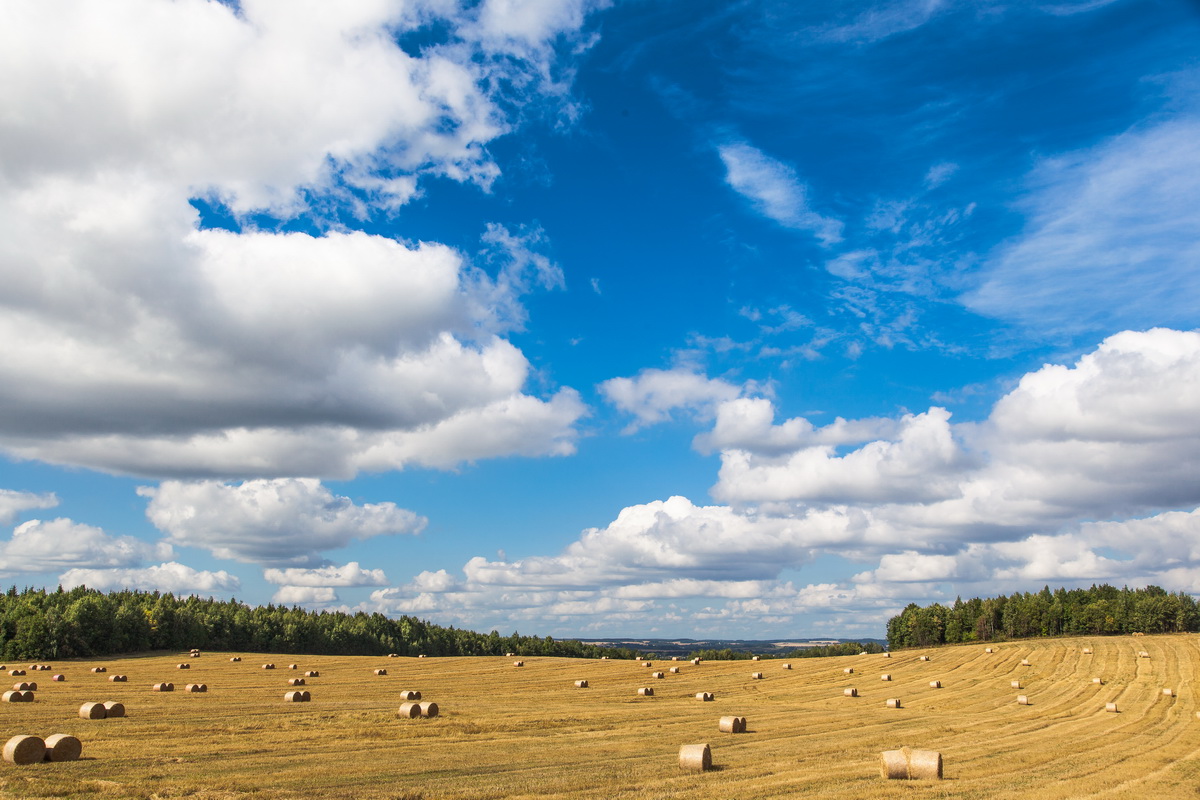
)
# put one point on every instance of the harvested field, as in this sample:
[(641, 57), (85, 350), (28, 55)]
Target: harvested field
[(505, 733)]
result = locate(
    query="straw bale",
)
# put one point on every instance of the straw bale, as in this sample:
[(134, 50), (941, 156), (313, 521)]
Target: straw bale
[(695, 757), (674, 658), (268, 666), (706, 697), (1087, 651), (756, 658), (114, 709), (1110, 708), (518, 663), (293, 666), (46, 667), (885, 677), (1016, 685), (1143, 654), (94, 669), (1022, 700), (21, 687), (935, 684), (647, 663), (674, 670), (25, 750), (93, 711), (787, 666), (428, 710), (1168, 693), (62, 747), (695, 661), (1025, 662), (27, 697), (305, 696), (756, 676), (1098, 680), (195, 687), (893, 702), (13, 696), (509, 655), (421, 656), (887, 655), (581, 684), (293, 697), (657, 675), (409, 711), (118, 678), (295, 681), (312, 673), (906, 764), (58, 678), (848, 670), (183, 666), (923, 658), (646, 691), (16, 673), (393, 655), (732, 725), (988, 650), (381, 672), (30, 687), (164, 687), (850, 692), (410, 695), (236, 659)]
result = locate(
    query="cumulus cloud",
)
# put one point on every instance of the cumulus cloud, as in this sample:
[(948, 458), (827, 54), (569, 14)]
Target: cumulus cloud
[(12, 504), (269, 521), (653, 394), (304, 595), (775, 190), (179, 350), (748, 423), (347, 575), (169, 577), (1119, 218), (48, 546)]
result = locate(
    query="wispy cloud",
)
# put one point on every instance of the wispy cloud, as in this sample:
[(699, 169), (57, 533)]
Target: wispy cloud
[(775, 190)]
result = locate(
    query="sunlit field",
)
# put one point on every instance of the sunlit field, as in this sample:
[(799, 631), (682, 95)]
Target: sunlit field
[(507, 731)]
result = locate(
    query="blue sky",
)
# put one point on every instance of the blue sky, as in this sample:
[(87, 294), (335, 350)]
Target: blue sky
[(573, 317)]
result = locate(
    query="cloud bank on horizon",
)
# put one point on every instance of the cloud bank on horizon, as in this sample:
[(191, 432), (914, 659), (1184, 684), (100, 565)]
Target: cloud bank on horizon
[(752, 321)]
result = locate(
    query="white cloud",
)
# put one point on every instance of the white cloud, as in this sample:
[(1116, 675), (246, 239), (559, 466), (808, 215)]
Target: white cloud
[(653, 394), (1121, 220), (280, 521), (185, 352), (48, 546), (775, 191), (748, 423), (169, 577), (883, 20), (304, 595), (350, 574), (13, 503)]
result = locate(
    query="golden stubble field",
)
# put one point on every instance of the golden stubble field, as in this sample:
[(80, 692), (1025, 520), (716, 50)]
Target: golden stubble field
[(509, 732)]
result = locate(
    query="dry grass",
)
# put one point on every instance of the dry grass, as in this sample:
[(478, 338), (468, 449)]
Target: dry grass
[(525, 733)]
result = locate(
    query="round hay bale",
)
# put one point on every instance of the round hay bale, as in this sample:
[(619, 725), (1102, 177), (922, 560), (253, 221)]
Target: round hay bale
[(1025, 662), (657, 675), (850, 692), (393, 655), (25, 750), (988, 650), (428, 710), (13, 696), (113, 709), (305, 697), (62, 747), (268, 666), (893, 703), (16, 673), (1087, 651), (646, 691), (26, 697), (312, 673), (674, 658), (848, 671), (787, 666), (695, 757), (164, 687), (755, 658), (293, 697), (923, 658), (935, 684), (193, 688), (93, 711), (94, 669), (1099, 681), (235, 659), (381, 672), (728, 725), (1168, 693), (421, 656), (581, 684), (293, 666), (695, 661), (409, 711), (647, 663), (885, 677), (1143, 654), (58, 678), (30, 687), (183, 666), (706, 697), (1022, 700), (410, 695), (674, 670), (295, 681), (1016, 685), (1110, 708), (118, 678), (906, 764), (887, 655), (518, 663), (756, 676), (22, 686), (509, 655)]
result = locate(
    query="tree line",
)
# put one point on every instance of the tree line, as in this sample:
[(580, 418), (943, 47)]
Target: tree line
[(1100, 610), (36, 624), (816, 651)]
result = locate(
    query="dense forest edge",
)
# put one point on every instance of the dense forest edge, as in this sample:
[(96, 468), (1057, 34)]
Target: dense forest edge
[(82, 623), (1099, 611)]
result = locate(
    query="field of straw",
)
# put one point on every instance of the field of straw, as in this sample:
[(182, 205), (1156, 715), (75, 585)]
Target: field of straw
[(516, 732)]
